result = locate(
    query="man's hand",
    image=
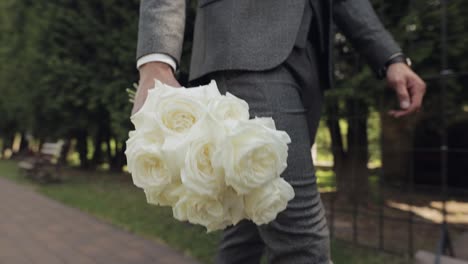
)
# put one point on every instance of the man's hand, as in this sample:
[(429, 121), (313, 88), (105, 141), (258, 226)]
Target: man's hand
[(409, 88), (148, 73)]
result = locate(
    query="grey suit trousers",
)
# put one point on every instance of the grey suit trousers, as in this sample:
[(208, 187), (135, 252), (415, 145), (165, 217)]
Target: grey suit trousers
[(289, 93)]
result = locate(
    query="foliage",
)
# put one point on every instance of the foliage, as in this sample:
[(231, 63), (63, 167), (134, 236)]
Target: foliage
[(65, 66), (417, 26)]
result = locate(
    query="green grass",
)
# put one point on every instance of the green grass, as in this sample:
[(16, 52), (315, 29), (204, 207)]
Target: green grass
[(326, 180), (114, 199)]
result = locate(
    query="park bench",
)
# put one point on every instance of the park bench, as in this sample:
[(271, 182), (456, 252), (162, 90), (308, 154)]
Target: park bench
[(45, 165)]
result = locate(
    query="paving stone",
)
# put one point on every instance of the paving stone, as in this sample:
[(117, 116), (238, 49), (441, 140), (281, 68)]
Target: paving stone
[(36, 229), (425, 257), (460, 246)]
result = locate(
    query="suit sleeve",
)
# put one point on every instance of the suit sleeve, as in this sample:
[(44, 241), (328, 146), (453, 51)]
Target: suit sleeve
[(161, 28), (360, 24)]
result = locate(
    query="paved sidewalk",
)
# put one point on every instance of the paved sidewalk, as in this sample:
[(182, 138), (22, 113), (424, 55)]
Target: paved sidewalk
[(37, 230)]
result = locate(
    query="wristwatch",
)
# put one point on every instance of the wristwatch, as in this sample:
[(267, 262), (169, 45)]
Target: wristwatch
[(395, 58)]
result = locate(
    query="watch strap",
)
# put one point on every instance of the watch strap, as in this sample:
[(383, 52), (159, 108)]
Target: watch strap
[(396, 58)]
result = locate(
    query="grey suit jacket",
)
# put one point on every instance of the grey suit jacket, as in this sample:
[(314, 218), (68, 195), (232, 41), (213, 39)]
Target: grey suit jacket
[(258, 34)]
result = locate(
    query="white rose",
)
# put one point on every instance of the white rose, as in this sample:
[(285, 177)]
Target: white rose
[(229, 107), (145, 135), (199, 174), (177, 115), (154, 96), (233, 206), (175, 111), (252, 155), (265, 121), (146, 163), (202, 210), (205, 93), (202, 93), (262, 205), (192, 157), (165, 196)]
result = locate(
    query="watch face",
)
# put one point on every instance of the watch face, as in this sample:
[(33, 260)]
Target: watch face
[(409, 62)]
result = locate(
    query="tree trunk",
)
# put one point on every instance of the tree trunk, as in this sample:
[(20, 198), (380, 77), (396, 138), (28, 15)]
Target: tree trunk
[(350, 165), (65, 151), (397, 144), (2, 146), (396, 147), (337, 147), (358, 151), (82, 148), (118, 160), (110, 156), (24, 144), (97, 154)]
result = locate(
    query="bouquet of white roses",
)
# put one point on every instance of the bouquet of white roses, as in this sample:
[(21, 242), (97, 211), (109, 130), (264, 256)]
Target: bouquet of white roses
[(197, 151)]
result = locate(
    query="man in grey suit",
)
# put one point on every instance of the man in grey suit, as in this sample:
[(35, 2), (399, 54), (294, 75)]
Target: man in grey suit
[(275, 54)]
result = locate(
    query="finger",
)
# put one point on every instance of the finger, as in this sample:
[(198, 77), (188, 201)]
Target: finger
[(147, 84), (401, 89), (167, 80), (137, 104), (418, 89), (401, 113), (174, 83), (140, 97), (398, 113)]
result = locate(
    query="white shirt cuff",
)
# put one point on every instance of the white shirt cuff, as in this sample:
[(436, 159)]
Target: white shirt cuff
[(157, 57)]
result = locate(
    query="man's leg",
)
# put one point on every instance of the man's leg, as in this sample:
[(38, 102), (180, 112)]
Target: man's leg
[(299, 234), (240, 244)]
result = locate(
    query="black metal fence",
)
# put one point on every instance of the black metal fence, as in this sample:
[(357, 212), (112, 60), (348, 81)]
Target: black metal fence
[(418, 194)]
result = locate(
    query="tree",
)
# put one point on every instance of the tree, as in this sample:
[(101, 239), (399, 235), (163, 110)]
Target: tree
[(77, 58), (417, 27)]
